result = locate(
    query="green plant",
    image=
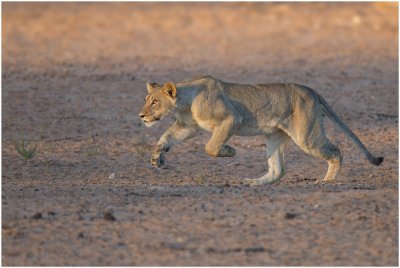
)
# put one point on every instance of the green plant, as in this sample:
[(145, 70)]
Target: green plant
[(25, 151)]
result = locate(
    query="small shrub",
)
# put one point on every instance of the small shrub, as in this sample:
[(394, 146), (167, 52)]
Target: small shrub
[(26, 152)]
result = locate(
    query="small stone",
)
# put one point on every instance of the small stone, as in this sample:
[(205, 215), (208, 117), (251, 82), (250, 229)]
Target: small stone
[(290, 216), (176, 246), (37, 216), (112, 176), (108, 216), (254, 249), (377, 210)]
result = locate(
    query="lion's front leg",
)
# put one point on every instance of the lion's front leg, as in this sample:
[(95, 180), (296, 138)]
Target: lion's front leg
[(175, 134), (216, 145), (158, 157)]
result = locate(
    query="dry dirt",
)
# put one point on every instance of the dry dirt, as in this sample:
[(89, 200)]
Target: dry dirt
[(73, 80)]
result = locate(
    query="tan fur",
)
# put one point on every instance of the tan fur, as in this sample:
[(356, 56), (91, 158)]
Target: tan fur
[(276, 111)]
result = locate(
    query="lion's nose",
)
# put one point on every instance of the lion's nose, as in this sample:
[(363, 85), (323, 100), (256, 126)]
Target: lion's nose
[(141, 115)]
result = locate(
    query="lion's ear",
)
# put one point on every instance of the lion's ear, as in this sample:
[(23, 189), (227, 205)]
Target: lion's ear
[(169, 89), (151, 86)]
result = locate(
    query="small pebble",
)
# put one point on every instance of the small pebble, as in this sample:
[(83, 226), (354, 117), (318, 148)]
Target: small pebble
[(37, 216), (108, 216)]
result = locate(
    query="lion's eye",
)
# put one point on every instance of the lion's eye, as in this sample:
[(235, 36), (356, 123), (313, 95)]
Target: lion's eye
[(154, 102)]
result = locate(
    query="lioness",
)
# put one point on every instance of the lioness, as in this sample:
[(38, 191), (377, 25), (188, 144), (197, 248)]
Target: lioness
[(276, 111)]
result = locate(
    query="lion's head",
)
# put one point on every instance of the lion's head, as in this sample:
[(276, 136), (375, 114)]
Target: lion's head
[(159, 102)]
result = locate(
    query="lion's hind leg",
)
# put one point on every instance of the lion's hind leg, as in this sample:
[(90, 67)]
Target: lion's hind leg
[(331, 154), (334, 158), (276, 144), (312, 140)]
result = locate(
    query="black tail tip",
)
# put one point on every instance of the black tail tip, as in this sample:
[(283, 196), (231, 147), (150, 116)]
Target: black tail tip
[(377, 161)]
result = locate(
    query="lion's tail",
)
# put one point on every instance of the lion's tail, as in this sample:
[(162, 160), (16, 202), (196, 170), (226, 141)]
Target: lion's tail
[(336, 120)]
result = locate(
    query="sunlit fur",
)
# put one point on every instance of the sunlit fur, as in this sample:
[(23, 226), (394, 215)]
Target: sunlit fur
[(158, 104)]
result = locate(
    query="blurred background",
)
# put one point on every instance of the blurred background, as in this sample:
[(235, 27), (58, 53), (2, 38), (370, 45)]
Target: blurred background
[(253, 38), (327, 46), (73, 81)]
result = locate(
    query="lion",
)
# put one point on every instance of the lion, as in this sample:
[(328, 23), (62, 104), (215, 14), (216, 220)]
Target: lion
[(276, 111)]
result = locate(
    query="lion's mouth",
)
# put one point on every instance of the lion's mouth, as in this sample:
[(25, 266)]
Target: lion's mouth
[(150, 121)]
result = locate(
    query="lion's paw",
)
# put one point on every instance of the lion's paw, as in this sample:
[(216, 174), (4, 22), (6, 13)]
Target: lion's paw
[(158, 159), (227, 151), (253, 182)]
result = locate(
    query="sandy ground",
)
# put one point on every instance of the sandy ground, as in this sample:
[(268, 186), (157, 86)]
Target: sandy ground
[(73, 81)]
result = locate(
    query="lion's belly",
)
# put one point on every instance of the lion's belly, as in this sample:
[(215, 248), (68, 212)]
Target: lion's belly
[(253, 129), (248, 131)]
